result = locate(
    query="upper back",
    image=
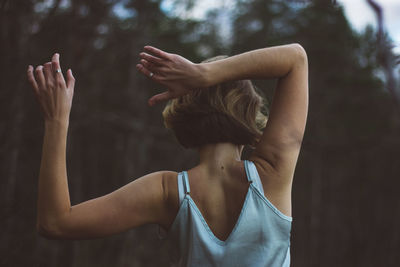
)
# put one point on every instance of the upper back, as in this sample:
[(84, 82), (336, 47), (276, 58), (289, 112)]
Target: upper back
[(198, 240), (220, 199)]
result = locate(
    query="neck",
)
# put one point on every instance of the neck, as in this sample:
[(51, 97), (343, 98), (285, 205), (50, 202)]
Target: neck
[(219, 157)]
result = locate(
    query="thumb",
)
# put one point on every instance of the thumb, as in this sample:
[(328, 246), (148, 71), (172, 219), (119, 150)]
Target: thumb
[(70, 79), (160, 97)]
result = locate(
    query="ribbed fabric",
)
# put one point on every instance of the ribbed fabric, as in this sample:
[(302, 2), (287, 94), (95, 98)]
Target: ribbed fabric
[(261, 236)]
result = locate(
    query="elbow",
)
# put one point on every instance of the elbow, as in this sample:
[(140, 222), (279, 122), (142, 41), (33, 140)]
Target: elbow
[(43, 231), (48, 232), (300, 53)]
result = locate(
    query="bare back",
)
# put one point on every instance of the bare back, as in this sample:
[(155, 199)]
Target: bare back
[(220, 198)]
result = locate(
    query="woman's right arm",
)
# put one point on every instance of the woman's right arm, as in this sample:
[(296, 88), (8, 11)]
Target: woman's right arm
[(276, 154)]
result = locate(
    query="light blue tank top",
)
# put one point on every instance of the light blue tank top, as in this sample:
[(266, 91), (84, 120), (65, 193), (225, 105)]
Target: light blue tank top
[(261, 236)]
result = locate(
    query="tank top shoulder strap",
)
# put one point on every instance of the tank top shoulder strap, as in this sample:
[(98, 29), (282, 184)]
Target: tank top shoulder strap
[(183, 185), (252, 175), (183, 190)]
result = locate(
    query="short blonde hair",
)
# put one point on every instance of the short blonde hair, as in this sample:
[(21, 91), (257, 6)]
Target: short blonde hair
[(229, 112)]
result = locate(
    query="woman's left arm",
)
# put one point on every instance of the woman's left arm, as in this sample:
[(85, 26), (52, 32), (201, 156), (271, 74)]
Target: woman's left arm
[(54, 95), (142, 201)]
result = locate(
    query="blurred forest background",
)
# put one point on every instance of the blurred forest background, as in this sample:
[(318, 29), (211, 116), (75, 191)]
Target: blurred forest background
[(346, 204)]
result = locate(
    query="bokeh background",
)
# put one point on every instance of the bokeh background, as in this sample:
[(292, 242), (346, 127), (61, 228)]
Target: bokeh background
[(346, 203)]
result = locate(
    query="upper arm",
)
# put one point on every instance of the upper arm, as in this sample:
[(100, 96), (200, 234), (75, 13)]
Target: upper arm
[(281, 140), (140, 202)]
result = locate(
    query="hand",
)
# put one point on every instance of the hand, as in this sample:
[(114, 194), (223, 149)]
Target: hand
[(52, 92), (178, 74)]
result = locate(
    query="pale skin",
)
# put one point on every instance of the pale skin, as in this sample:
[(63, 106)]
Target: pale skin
[(219, 178)]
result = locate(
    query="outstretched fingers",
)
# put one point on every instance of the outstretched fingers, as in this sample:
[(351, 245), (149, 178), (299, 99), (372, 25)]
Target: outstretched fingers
[(157, 52), (160, 97), (152, 59), (150, 66), (49, 74), (41, 81), (147, 72), (70, 80), (32, 80), (59, 77)]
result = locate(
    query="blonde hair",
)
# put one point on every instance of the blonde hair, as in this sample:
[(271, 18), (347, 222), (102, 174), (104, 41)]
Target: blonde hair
[(228, 112)]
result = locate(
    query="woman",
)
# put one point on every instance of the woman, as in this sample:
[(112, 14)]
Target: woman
[(222, 212)]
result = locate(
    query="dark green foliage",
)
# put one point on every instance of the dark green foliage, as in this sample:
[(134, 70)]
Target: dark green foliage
[(345, 202)]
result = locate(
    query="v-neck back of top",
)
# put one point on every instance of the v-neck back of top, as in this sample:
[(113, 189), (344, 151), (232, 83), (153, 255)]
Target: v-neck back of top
[(260, 237)]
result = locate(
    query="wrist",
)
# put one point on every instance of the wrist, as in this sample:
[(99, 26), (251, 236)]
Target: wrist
[(206, 75), (58, 124)]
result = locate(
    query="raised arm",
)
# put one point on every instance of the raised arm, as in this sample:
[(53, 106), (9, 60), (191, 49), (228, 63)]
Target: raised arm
[(139, 202), (276, 154), (280, 143)]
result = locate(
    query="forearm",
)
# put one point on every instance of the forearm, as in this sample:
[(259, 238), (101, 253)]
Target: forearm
[(53, 194), (272, 62)]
